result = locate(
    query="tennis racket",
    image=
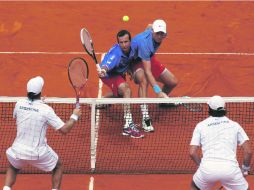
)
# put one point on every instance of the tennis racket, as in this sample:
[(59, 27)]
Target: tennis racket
[(78, 75), (87, 43), (193, 107)]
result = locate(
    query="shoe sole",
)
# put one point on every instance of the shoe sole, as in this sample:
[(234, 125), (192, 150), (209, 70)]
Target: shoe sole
[(126, 134), (142, 136), (148, 131)]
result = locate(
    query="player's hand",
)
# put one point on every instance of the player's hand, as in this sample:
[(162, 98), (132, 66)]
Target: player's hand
[(102, 73), (77, 112), (162, 95), (245, 170)]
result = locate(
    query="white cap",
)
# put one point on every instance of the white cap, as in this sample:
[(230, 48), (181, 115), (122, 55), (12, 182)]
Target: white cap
[(216, 102), (159, 26), (35, 85)]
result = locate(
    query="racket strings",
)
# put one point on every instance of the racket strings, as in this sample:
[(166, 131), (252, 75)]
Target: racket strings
[(87, 41)]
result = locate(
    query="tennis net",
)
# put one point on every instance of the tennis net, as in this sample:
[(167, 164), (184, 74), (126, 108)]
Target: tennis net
[(97, 145)]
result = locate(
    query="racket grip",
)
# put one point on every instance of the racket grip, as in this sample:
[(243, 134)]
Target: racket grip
[(77, 105), (98, 68)]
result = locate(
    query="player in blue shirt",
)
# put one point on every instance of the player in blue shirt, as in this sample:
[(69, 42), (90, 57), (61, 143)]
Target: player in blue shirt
[(114, 66), (148, 43)]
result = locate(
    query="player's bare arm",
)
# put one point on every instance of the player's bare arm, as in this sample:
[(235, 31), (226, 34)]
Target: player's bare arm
[(247, 157), (151, 79), (194, 154), (71, 122)]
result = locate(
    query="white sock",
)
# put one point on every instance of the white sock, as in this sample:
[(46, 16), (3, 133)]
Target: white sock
[(127, 114), (6, 188), (144, 110), (54, 189)]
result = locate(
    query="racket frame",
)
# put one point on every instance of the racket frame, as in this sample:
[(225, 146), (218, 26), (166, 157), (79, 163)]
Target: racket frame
[(78, 90), (92, 54)]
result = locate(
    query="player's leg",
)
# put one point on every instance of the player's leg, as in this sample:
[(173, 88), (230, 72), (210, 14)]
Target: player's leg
[(193, 186), (163, 75), (48, 161), (10, 177), (169, 81), (13, 169), (121, 88), (57, 174), (141, 80), (124, 89), (233, 179)]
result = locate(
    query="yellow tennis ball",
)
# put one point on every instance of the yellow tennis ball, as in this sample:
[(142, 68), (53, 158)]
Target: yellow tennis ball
[(126, 18)]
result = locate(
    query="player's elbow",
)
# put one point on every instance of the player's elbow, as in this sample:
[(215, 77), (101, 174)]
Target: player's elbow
[(247, 148), (193, 152), (64, 130)]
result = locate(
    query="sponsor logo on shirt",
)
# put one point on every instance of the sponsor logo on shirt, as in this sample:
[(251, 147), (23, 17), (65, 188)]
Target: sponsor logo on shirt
[(28, 108), (217, 123)]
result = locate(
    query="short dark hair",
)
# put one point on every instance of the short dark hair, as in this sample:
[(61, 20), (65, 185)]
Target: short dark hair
[(32, 96), (220, 112), (121, 33)]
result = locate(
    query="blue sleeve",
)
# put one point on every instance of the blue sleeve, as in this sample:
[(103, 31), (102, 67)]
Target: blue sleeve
[(144, 52), (111, 60)]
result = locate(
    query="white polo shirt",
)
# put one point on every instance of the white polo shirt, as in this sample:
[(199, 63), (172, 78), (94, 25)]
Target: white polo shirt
[(32, 119), (219, 137)]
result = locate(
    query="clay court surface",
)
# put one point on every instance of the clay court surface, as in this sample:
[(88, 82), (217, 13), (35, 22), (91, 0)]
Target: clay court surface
[(209, 48)]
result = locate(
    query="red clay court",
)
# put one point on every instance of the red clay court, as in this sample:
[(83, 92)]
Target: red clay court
[(209, 48)]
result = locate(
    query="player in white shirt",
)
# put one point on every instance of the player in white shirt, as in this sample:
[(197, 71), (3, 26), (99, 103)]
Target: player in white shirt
[(30, 145), (218, 137)]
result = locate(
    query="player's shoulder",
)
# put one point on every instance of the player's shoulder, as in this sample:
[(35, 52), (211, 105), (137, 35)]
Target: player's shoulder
[(114, 51), (204, 122)]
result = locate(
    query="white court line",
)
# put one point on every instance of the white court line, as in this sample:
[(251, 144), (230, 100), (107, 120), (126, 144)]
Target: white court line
[(99, 53), (91, 183)]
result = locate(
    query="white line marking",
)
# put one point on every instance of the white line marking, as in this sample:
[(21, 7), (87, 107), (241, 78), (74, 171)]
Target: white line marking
[(91, 183), (165, 53)]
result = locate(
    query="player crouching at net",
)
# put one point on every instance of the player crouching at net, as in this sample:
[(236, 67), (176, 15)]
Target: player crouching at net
[(30, 146), (113, 70), (146, 67), (219, 137)]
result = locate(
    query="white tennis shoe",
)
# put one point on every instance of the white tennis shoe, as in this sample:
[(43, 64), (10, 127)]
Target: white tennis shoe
[(147, 125)]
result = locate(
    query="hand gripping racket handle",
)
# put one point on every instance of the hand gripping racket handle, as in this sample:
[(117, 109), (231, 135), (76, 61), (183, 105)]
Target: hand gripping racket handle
[(98, 68)]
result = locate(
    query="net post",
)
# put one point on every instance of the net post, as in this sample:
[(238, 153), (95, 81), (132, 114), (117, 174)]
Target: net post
[(93, 146)]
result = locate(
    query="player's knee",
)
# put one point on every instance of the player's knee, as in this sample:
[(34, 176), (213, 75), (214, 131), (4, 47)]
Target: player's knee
[(124, 90), (11, 167), (193, 186), (59, 166)]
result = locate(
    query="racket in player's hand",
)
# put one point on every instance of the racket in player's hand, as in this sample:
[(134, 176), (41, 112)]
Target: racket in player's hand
[(78, 75), (87, 43)]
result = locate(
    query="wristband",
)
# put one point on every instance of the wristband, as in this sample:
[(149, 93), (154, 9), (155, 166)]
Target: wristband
[(156, 89), (245, 168), (75, 117)]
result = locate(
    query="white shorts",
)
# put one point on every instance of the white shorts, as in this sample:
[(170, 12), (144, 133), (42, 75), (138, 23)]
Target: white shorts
[(227, 173), (46, 162)]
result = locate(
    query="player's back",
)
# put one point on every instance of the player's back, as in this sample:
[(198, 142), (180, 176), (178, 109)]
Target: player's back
[(32, 121), (219, 138)]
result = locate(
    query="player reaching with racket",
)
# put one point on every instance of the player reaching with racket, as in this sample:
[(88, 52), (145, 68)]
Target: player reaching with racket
[(219, 136), (113, 70), (30, 145), (146, 67)]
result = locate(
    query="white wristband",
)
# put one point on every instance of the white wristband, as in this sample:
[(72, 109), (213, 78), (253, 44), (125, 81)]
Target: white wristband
[(75, 117), (245, 168)]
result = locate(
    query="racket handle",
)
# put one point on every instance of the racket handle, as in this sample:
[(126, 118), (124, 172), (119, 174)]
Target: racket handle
[(77, 105), (98, 68)]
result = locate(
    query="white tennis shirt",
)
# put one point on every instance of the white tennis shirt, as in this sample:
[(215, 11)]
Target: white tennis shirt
[(219, 137), (33, 119)]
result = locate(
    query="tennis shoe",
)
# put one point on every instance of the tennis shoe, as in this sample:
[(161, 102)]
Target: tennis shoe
[(147, 125), (132, 131), (168, 105)]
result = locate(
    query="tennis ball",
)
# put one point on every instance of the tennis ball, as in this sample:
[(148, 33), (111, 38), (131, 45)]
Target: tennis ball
[(126, 18)]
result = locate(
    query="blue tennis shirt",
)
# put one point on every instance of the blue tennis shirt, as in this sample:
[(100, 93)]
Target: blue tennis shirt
[(116, 61), (146, 45)]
